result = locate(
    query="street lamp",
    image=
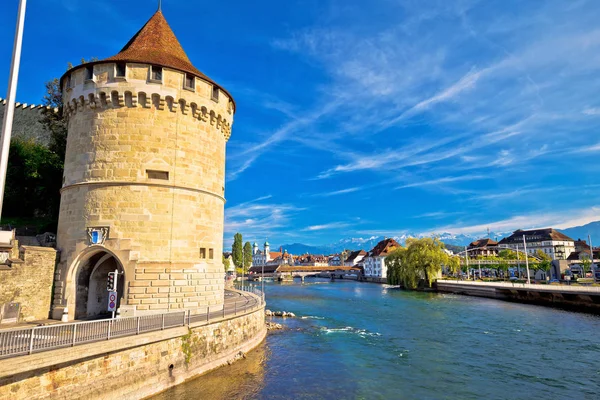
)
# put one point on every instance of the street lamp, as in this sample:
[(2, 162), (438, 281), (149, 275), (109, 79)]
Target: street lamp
[(526, 260), (11, 98)]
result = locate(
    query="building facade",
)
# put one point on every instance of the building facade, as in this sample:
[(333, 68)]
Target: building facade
[(355, 258), (549, 241), (265, 256), (483, 247), (143, 185), (374, 262)]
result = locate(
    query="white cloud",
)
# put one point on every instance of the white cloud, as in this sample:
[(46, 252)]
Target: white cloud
[(439, 181), (338, 192), (332, 225), (555, 219)]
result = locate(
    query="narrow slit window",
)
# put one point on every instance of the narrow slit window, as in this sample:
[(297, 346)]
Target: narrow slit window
[(120, 70), (215, 93), (154, 174), (89, 73), (156, 73), (189, 82), (211, 254), (202, 252)]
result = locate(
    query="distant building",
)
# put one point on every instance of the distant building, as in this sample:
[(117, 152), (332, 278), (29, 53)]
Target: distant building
[(355, 258), (312, 260), (483, 247), (335, 260), (231, 268), (550, 241), (374, 262), (581, 245), (260, 258)]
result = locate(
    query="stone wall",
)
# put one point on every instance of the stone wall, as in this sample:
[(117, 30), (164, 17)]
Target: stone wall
[(27, 280), (133, 367), (27, 123)]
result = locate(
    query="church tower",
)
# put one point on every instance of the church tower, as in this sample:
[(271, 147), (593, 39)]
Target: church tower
[(143, 186)]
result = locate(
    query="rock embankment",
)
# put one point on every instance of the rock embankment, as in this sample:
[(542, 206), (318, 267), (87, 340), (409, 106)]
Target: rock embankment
[(238, 356), (283, 314), (272, 326)]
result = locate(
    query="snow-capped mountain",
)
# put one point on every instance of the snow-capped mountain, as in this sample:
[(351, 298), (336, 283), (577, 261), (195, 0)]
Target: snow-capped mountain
[(367, 243), (455, 239)]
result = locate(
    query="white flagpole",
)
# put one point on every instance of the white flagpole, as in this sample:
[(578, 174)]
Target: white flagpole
[(10, 99)]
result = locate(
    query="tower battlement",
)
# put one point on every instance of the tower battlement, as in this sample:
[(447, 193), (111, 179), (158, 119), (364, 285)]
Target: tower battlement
[(204, 101)]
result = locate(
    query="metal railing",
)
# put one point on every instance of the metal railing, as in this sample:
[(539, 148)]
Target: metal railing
[(17, 342)]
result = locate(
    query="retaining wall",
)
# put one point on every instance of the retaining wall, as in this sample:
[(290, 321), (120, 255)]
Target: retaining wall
[(131, 367)]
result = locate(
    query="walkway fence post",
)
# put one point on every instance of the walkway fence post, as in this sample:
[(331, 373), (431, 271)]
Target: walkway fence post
[(138, 326), (74, 335), (109, 326), (31, 340), (163, 322)]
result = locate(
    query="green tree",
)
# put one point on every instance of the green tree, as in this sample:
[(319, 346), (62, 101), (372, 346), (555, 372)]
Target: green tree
[(225, 263), (545, 261), (53, 119), (586, 264), (507, 254), (421, 259), (237, 251), (33, 182), (453, 264), (247, 255)]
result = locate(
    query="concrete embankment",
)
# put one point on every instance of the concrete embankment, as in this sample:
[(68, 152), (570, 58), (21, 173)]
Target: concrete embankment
[(575, 297), (132, 367)]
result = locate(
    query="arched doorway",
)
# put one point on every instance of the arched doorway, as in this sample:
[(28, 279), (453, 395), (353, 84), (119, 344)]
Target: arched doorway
[(91, 297)]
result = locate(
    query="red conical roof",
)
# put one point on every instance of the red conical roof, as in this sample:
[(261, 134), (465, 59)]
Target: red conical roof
[(156, 44)]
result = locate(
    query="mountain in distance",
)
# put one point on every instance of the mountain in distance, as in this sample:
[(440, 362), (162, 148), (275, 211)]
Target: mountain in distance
[(369, 242), (582, 232), (454, 240)]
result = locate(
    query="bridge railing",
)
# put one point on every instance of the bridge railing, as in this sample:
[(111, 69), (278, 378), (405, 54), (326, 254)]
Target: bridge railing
[(17, 342)]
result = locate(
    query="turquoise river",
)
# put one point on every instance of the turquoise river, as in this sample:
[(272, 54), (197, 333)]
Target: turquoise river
[(356, 340)]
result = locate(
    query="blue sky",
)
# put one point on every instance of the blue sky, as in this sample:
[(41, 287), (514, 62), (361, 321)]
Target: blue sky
[(380, 117)]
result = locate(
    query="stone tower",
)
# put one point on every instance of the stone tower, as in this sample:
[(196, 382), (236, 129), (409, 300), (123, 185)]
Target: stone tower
[(143, 187)]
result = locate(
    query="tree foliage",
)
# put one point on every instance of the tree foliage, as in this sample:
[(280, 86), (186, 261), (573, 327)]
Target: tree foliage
[(420, 259), (226, 264), (247, 255), (53, 119), (237, 251), (586, 264), (33, 181)]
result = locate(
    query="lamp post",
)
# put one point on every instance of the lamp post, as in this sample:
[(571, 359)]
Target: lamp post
[(467, 261), (526, 259), (592, 257), (11, 98)]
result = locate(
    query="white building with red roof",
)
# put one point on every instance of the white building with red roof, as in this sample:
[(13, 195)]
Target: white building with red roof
[(374, 262)]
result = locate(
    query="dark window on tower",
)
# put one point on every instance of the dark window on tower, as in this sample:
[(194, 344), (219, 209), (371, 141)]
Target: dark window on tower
[(153, 174), (211, 254), (89, 73), (202, 252), (189, 82), (120, 70), (215, 93), (156, 73)]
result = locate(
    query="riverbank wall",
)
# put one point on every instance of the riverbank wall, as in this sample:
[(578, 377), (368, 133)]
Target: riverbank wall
[(577, 298), (133, 367)]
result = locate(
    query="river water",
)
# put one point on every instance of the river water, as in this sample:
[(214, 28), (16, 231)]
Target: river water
[(366, 341)]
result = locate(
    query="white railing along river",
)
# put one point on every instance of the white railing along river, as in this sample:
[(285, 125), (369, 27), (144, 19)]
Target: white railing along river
[(17, 342)]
